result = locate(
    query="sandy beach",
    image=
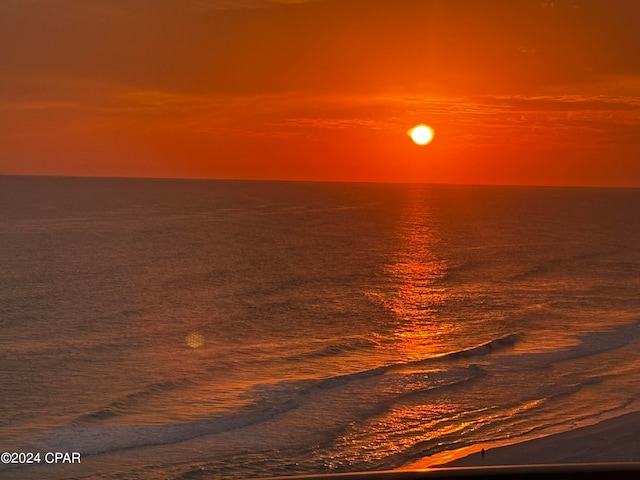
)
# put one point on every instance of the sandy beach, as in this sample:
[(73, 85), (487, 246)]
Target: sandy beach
[(612, 440)]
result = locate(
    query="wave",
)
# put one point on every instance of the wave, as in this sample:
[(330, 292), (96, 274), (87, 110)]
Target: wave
[(290, 389), (357, 401), (338, 400), (92, 440), (505, 341), (337, 347), (121, 405), (589, 344), (491, 346), (554, 266)]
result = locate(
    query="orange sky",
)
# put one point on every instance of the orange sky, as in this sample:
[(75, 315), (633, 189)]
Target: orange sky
[(518, 92)]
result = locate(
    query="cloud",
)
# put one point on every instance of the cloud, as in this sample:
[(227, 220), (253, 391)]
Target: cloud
[(209, 5), (564, 102), (100, 4), (330, 123), (349, 46)]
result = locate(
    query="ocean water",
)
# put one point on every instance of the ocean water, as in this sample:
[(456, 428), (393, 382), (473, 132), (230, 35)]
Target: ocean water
[(185, 329)]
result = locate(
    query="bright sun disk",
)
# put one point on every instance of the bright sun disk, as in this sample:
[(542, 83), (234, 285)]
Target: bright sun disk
[(421, 134)]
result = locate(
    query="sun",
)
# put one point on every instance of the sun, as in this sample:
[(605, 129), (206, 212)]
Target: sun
[(421, 134)]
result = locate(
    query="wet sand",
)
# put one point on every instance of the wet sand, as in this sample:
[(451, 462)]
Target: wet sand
[(613, 440)]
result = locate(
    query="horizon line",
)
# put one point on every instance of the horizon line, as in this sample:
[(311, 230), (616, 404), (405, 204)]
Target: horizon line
[(287, 180)]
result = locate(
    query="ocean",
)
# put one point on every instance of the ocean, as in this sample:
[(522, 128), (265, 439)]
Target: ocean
[(195, 329)]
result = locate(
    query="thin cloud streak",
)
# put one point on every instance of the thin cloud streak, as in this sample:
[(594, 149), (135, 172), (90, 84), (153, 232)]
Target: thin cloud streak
[(212, 5)]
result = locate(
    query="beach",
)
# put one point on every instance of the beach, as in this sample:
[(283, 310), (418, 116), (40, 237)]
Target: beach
[(611, 440)]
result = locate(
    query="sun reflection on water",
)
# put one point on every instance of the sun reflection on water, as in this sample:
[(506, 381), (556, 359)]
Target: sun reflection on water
[(417, 273)]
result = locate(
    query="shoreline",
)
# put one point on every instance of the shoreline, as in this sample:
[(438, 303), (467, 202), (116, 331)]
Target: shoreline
[(615, 439)]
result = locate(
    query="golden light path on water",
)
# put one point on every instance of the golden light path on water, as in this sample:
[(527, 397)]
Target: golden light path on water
[(420, 334), (416, 270)]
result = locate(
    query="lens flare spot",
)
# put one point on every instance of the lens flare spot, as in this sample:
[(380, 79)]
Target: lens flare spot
[(195, 340), (421, 134)]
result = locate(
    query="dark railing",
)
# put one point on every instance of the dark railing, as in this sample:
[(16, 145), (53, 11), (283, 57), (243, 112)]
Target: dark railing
[(593, 471)]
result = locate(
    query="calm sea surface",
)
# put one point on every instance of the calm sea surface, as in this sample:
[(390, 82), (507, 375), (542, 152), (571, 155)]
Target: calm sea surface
[(183, 329)]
